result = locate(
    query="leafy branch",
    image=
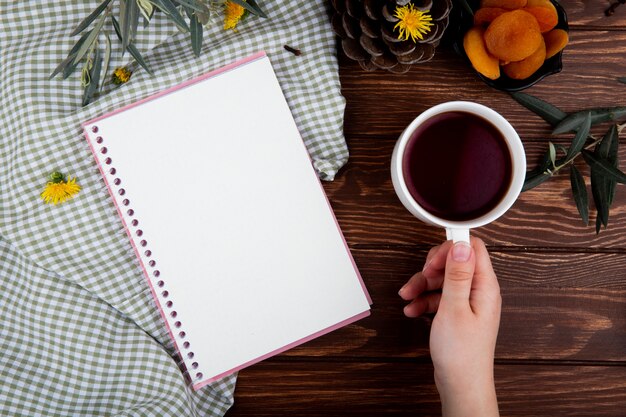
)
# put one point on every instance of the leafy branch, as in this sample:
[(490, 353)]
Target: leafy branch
[(125, 24), (601, 154)]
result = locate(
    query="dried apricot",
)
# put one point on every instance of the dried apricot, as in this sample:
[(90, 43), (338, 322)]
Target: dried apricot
[(546, 18), (523, 69), (486, 15), (540, 3), (505, 4), (513, 36), (555, 41), (482, 61)]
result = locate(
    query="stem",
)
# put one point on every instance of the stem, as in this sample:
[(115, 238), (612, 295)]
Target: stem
[(573, 158), (592, 144)]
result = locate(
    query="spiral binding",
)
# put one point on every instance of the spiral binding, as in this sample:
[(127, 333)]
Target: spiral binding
[(156, 282)]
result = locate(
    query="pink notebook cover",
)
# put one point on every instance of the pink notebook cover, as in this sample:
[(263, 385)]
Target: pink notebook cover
[(124, 153)]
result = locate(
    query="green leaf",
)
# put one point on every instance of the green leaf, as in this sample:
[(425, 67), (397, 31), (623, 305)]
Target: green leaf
[(600, 196), (552, 153), (579, 140), (195, 31), (613, 159), (604, 167), (543, 166), (535, 180), (607, 149), (147, 10), (606, 144), (598, 115), (546, 111), (134, 52), (62, 65), (251, 6), (129, 19), (170, 10), (87, 21), (255, 5), (107, 58), (67, 65), (91, 38), (579, 190), (194, 5), (622, 80), (94, 74)]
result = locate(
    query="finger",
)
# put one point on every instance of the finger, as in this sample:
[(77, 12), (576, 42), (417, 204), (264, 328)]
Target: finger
[(427, 303), (420, 283), (458, 276), (485, 286), (436, 260)]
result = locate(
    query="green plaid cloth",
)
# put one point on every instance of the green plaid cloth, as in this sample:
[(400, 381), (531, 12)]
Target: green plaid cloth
[(80, 334)]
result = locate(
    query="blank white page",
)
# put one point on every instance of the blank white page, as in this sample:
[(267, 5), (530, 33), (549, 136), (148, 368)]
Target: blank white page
[(229, 208)]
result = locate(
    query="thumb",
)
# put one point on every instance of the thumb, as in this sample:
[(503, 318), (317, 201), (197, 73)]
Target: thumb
[(459, 273)]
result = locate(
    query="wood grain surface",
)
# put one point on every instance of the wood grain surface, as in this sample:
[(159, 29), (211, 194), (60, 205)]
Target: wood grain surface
[(562, 344)]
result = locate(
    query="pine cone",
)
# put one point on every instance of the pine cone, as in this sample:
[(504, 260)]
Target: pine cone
[(366, 29)]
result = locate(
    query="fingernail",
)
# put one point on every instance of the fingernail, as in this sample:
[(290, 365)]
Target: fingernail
[(402, 290), (426, 265), (461, 252)]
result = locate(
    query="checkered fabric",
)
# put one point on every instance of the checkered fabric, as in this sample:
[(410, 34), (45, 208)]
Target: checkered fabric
[(80, 334)]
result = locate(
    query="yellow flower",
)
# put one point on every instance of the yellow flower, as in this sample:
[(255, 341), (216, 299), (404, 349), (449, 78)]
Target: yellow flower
[(413, 23), (58, 190), (121, 75), (233, 13)]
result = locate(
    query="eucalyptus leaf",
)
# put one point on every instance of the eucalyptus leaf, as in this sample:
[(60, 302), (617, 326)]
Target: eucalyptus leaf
[(552, 153), (94, 75), (134, 52), (603, 167), (255, 5), (546, 111), (62, 65), (598, 115), (195, 32), (579, 190), (129, 17), (598, 224), (135, 14), (543, 166), (607, 149), (622, 80), (250, 6), (613, 159), (69, 69), (107, 58), (146, 8), (600, 196), (581, 137), (87, 21), (89, 40), (170, 10), (535, 180), (195, 5)]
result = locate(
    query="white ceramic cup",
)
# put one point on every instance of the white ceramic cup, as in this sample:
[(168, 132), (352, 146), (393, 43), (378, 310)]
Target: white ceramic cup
[(459, 230)]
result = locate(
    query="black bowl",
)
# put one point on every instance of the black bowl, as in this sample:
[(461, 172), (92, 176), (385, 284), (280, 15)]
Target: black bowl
[(464, 21)]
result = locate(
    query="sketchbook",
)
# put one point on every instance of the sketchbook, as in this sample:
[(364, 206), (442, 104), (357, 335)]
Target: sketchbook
[(228, 219)]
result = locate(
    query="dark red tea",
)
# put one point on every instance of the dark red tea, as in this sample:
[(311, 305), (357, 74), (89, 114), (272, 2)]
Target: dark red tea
[(457, 166)]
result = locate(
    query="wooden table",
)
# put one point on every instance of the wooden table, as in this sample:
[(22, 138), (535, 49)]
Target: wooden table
[(562, 343)]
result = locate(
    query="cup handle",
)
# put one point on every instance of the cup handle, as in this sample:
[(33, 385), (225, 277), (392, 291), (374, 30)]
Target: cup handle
[(458, 235)]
